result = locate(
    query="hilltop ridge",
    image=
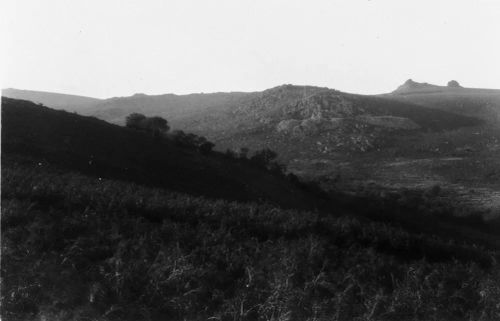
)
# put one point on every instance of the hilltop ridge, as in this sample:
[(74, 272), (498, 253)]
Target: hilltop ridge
[(475, 102), (293, 120), (412, 87), (55, 100)]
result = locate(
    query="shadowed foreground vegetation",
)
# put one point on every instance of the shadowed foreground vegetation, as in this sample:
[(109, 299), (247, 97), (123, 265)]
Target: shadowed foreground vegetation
[(83, 248), (105, 223)]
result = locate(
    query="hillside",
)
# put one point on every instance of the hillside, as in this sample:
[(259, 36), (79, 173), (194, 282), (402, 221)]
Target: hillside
[(43, 137), (474, 102), (293, 120), (320, 132), (54, 100), (310, 122), (297, 121), (101, 222)]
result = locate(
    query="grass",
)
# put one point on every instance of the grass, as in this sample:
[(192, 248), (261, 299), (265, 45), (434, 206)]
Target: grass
[(76, 247)]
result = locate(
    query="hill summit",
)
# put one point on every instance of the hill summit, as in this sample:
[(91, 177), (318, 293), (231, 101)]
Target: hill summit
[(480, 103), (411, 86)]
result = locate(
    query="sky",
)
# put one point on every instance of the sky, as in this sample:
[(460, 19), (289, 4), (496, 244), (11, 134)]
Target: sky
[(107, 48)]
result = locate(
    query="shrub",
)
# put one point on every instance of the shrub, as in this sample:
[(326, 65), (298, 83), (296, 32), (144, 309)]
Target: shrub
[(264, 157), (192, 141), (157, 126)]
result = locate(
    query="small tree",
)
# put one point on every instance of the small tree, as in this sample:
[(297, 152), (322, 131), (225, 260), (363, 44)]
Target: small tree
[(193, 141), (206, 147), (135, 121), (277, 168), (264, 157), (243, 153), (230, 154), (156, 125), (179, 137)]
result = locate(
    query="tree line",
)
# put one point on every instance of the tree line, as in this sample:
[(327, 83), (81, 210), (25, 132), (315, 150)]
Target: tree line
[(159, 128)]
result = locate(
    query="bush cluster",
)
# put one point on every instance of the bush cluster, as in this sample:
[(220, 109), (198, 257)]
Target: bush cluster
[(191, 140), (157, 126), (265, 159)]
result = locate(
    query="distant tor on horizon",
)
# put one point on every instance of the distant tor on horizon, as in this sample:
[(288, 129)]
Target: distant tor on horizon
[(480, 103), (412, 87)]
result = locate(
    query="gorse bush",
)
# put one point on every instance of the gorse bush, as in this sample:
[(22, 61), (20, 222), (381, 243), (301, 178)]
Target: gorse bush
[(81, 248)]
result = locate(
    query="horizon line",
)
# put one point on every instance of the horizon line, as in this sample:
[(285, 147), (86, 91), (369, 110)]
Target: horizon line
[(220, 92)]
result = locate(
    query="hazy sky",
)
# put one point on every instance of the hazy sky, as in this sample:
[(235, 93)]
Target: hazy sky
[(117, 48)]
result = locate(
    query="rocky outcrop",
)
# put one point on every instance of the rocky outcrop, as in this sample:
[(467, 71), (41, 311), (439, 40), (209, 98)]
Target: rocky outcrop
[(325, 105), (288, 125), (309, 126), (453, 84), (411, 86)]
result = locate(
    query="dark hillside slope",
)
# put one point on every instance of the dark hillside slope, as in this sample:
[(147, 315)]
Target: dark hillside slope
[(54, 100), (45, 137)]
